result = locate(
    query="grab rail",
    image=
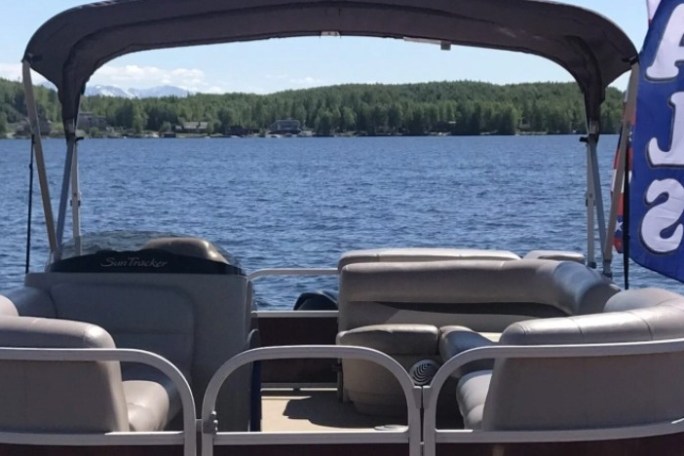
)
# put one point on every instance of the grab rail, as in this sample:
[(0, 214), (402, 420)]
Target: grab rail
[(291, 272), (410, 435), (432, 435), (188, 436)]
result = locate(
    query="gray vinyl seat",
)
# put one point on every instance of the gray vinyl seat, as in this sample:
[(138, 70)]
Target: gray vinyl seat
[(197, 321), (555, 393), (448, 305), (414, 254), (40, 396), (373, 389)]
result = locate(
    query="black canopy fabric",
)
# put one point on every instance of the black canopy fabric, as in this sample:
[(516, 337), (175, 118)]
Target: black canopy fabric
[(71, 46)]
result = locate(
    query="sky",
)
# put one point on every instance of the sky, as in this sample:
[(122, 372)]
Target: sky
[(296, 63)]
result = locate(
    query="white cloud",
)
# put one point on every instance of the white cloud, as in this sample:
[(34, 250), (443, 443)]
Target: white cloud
[(188, 73), (307, 81), (130, 74), (193, 80), (137, 76), (214, 90), (13, 72), (295, 82)]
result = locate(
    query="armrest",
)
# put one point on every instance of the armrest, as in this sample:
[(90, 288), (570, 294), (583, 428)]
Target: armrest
[(395, 339)]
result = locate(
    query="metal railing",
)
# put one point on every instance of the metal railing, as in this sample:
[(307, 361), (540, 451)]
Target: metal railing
[(433, 436), (270, 272), (409, 434), (416, 398), (187, 437)]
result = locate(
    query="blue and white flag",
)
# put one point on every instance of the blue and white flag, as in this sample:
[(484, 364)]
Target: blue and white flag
[(652, 6), (657, 186)]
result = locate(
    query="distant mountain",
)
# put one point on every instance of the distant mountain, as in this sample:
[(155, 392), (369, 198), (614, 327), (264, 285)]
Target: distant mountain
[(160, 91), (151, 92), (107, 91)]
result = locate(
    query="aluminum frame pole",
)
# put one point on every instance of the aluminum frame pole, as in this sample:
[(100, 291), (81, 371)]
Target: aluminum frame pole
[(590, 201), (75, 196), (592, 144), (70, 132), (34, 123), (76, 203)]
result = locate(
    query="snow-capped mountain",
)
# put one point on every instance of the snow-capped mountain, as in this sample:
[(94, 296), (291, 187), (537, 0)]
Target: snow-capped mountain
[(107, 91), (160, 91), (151, 92)]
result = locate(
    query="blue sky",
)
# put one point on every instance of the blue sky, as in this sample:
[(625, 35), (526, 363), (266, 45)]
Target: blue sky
[(265, 67)]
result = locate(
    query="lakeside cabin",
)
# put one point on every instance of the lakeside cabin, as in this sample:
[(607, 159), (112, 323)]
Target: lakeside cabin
[(193, 127), (285, 127)]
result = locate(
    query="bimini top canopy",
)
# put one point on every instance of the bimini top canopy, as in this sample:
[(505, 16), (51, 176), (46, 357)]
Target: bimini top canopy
[(71, 46)]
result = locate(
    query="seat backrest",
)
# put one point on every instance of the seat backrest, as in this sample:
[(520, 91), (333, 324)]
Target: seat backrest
[(413, 254), (484, 295), (563, 393), (27, 302), (197, 321), (40, 396), (144, 317)]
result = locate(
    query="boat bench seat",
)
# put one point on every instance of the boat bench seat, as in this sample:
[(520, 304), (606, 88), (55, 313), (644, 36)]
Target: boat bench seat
[(485, 295), (562, 393), (413, 254), (196, 321), (40, 396), (448, 306), (408, 344), (132, 318), (143, 317), (373, 389)]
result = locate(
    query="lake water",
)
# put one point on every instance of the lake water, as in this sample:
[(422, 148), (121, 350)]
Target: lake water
[(302, 202)]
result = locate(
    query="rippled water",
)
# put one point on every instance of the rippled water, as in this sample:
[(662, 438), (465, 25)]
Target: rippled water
[(304, 201)]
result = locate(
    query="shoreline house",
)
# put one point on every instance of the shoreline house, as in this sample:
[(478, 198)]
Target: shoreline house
[(23, 128), (88, 120), (286, 127), (193, 127)]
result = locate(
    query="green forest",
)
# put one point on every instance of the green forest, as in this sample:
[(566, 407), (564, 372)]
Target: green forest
[(457, 108)]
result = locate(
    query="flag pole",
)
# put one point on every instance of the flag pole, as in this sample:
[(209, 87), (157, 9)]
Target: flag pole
[(620, 165)]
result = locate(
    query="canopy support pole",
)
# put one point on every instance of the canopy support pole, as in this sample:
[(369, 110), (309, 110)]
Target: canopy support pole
[(621, 162), (590, 202), (29, 217), (34, 123), (75, 201), (70, 132), (592, 144)]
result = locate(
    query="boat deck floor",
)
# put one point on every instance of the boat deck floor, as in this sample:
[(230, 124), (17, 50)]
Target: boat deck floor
[(318, 409)]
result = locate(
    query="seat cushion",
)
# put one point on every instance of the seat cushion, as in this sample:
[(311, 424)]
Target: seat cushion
[(454, 340), (372, 388), (52, 333), (457, 339), (412, 254), (152, 398), (471, 394), (394, 339), (64, 396), (7, 308)]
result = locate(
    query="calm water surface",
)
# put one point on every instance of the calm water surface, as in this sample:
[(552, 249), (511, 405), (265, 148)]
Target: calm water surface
[(304, 201)]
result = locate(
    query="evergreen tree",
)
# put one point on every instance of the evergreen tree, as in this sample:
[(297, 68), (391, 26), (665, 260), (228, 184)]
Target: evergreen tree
[(464, 107), (3, 125)]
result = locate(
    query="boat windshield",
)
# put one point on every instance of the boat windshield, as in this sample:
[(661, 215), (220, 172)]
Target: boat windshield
[(120, 241)]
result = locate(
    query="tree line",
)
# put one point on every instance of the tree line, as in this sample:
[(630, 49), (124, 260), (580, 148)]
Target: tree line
[(459, 108)]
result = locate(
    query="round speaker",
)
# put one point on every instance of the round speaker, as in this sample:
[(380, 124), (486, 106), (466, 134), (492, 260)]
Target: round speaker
[(423, 371)]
